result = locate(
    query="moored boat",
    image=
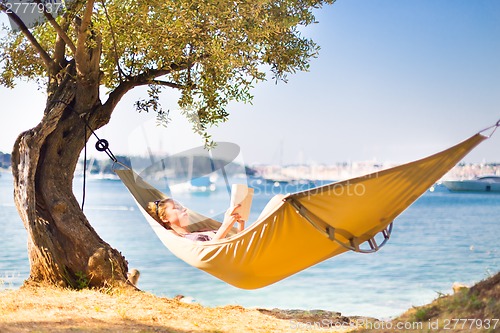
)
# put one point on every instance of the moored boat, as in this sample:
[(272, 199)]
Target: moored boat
[(479, 184)]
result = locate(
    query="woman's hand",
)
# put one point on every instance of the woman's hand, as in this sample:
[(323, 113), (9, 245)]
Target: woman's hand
[(232, 216), (236, 217)]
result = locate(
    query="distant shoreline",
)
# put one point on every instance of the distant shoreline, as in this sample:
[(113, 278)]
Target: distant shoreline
[(341, 171)]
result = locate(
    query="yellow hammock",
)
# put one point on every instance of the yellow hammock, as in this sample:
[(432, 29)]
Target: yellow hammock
[(304, 228)]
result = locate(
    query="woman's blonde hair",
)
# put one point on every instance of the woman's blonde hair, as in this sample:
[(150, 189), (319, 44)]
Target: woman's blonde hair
[(157, 209)]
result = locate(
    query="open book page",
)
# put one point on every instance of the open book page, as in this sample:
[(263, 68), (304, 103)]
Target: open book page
[(242, 194)]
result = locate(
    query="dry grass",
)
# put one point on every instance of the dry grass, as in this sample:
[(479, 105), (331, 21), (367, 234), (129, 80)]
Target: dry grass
[(51, 309), (469, 310)]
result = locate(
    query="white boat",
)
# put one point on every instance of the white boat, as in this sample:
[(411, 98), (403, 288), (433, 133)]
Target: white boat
[(479, 184), (200, 185)]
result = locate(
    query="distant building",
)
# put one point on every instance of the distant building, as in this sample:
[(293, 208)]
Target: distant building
[(5, 161)]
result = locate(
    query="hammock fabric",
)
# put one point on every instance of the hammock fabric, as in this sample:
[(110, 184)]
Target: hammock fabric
[(304, 228)]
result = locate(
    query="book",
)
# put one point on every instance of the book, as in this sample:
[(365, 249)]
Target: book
[(243, 195)]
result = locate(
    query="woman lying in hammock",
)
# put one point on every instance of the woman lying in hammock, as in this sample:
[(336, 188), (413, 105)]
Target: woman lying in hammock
[(172, 215)]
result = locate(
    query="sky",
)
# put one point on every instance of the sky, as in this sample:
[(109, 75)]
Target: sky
[(395, 80)]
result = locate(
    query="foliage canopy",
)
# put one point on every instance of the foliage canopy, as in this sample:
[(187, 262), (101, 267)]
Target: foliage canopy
[(213, 51)]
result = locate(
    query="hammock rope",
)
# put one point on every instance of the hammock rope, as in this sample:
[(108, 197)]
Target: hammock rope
[(102, 145), (495, 127)]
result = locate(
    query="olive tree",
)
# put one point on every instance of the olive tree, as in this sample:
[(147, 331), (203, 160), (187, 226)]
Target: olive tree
[(211, 51)]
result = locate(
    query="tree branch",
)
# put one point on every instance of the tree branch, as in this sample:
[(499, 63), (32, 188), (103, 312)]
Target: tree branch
[(120, 72), (60, 46), (150, 74), (87, 16), (166, 84), (114, 97), (83, 33), (24, 29), (143, 79), (60, 32), (147, 77)]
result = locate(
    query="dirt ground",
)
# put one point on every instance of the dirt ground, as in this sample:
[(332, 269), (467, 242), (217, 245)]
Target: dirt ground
[(50, 309), (37, 309)]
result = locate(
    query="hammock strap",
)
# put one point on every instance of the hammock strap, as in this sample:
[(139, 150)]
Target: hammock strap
[(331, 232), (317, 223), (494, 127)]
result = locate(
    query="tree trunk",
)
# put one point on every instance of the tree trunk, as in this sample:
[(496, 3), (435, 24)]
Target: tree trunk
[(63, 248)]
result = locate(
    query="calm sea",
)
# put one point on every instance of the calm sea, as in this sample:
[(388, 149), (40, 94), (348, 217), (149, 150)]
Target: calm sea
[(442, 238)]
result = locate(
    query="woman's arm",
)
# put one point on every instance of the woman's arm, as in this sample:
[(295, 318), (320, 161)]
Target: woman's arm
[(230, 218), (241, 225)]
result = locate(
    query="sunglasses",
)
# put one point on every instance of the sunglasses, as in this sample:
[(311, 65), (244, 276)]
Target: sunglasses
[(157, 202)]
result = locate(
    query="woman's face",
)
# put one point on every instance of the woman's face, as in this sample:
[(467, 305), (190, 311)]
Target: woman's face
[(176, 214)]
